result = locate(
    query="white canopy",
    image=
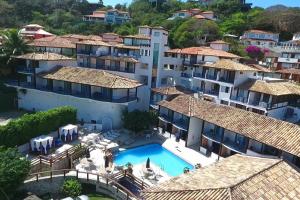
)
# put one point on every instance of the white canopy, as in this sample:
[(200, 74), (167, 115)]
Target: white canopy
[(70, 128), (41, 140)]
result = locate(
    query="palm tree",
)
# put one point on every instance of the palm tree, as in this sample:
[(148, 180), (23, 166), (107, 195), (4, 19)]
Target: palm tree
[(13, 45)]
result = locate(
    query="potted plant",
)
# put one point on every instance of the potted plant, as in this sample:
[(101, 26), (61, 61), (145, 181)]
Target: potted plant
[(129, 167), (186, 170)]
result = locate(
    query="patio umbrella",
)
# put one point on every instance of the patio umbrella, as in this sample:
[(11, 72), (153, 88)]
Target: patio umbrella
[(148, 163)]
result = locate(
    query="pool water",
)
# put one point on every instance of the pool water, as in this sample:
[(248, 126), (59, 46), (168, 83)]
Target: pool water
[(161, 157)]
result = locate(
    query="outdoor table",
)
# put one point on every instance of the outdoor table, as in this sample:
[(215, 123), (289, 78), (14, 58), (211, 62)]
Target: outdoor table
[(41, 142)]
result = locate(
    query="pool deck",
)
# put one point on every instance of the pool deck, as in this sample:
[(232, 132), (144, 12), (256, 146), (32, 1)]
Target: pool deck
[(189, 155)]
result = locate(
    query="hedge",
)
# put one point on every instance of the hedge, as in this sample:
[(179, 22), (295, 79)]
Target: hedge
[(20, 131)]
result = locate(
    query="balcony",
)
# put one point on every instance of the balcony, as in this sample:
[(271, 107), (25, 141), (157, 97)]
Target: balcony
[(165, 118), (239, 99), (288, 60), (211, 77), (217, 137), (83, 52), (25, 70), (115, 68), (186, 75), (239, 146), (181, 124), (198, 75)]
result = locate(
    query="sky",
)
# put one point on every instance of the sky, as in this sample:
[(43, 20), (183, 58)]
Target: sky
[(260, 3)]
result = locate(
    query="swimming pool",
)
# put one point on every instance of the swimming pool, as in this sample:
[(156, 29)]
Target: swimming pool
[(169, 162)]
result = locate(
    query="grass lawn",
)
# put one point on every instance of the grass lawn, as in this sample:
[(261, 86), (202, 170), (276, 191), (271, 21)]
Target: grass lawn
[(95, 196)]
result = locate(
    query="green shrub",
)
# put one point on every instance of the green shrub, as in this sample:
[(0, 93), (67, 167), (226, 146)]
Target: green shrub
[(72, 188), (20, 131), (14, 168)]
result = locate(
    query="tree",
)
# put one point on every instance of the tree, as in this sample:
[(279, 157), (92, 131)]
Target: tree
[(255, 52), (13, 45), (14, 169), (193, 32), (72, 188), (137, 121)]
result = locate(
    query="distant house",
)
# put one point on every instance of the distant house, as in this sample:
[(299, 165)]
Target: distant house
[(112, 16), (97, 16), (220, 45), (260, 38), (34, 31), (195, 13)]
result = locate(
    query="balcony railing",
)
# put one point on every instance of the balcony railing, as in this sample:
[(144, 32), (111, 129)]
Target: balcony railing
[(165, 117), (198, 75), (186, 75), (213, 135), (116, 68), (238, 147), (240, 99), (183, 124), (25, 70)]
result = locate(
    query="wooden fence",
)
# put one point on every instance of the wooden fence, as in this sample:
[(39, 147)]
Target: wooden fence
[(103, 178)]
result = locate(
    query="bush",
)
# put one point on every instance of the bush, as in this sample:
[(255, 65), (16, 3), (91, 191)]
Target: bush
[(13, 171), (72, 188), (20, 131)]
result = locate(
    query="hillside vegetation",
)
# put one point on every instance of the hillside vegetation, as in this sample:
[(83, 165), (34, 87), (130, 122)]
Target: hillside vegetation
[(65, 16)]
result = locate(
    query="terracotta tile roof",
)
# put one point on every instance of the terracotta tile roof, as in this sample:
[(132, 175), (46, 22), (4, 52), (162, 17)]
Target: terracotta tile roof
[(276, 88), (122, 59), (53, 41), (219, 42), (230, 65), (89, 76), (207, 51), (199, 17), (277, 133), (94, 43), (126, 46), (259, 31), (76, 37), (43, 56), (236, 177), (293, 71), (261, 68), (139, 36), (175, 90)]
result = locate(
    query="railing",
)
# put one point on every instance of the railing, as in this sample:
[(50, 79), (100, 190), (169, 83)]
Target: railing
[(181, 123), (25, 70), (240, 99), (241, 147), (166, 117), (141, 184), (115, 68), (186, 75), (50, 160), (212, 135), (88, 177)]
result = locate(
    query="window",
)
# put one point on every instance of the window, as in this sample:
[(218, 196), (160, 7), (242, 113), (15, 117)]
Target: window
[(146, 52), (226, 89), (156, 34), (171, 66)]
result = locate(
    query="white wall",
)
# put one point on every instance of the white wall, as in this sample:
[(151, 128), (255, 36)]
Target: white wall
[(194, 133), (87, 109), (48, 65)]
